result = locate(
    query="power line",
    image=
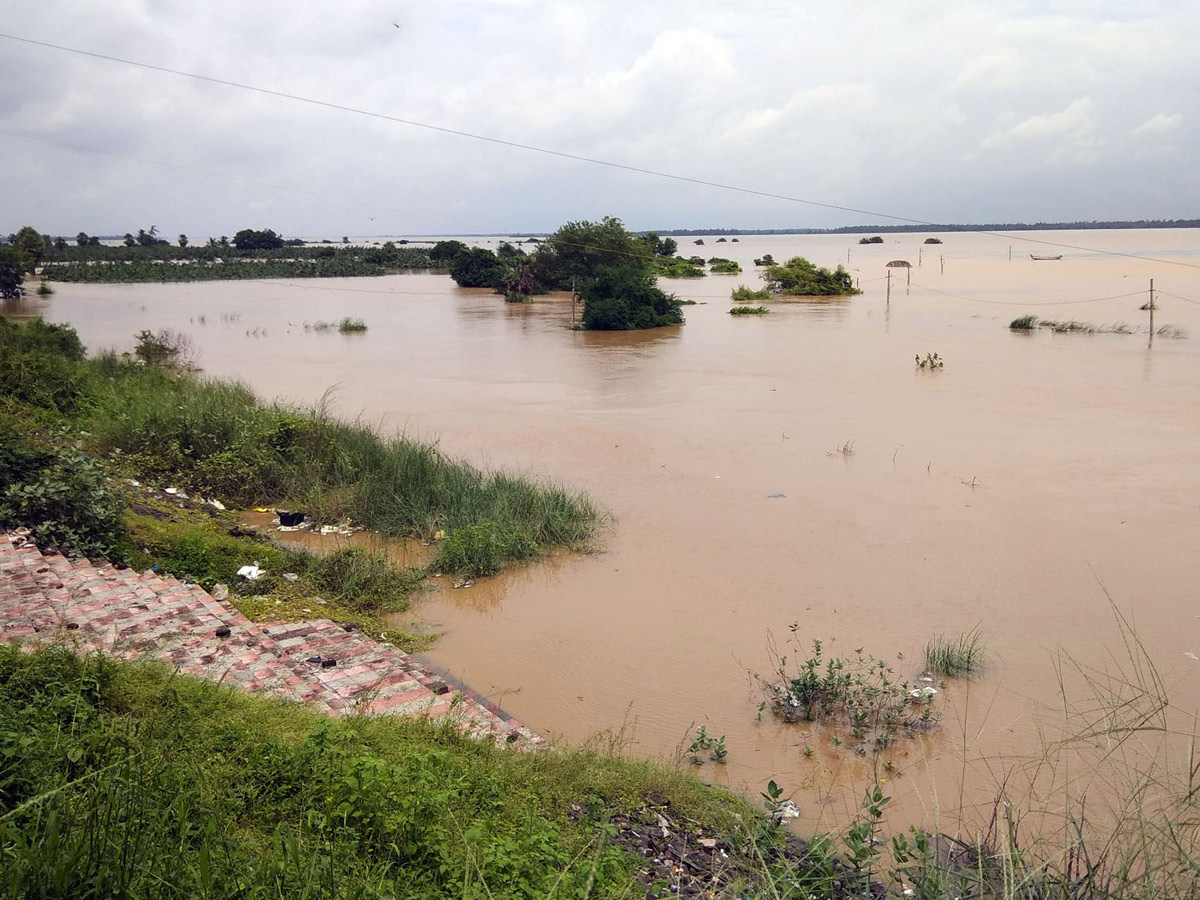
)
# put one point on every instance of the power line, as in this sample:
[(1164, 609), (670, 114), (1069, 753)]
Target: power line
[(1177, 297), (558, 153), (1023, 303)]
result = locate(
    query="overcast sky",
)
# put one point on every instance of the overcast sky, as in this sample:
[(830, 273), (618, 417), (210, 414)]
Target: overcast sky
[(938, 110)]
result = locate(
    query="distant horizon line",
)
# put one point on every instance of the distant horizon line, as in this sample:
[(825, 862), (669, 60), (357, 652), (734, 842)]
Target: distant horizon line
[(1092, 225)]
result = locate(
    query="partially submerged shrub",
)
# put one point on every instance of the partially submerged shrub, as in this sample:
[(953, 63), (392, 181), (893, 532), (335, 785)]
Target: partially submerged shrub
[(351, 326), (483, 549), (1068, 326), (860, 693), (165, 348), (718, 265), (749, 311), (744, 295)]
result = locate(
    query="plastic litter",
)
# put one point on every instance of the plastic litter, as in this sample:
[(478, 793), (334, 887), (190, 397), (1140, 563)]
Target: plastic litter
[(923, 693), (464, 583), (171, 490), (133, 482), (336, 529), (787, 810), (439, 534), (290, 576), (1190, 655), (217, 504), (289, 519), (251, 572)]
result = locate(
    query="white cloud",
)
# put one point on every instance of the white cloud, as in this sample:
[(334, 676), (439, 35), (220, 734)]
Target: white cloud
[(1160, 123), (884, 111)]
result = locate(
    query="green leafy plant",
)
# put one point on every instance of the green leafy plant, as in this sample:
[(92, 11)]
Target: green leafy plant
[(749, 311), (859, 693)]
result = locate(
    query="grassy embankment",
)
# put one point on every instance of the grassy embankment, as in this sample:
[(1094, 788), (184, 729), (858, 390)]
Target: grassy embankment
[(124, 780), (73, 431)]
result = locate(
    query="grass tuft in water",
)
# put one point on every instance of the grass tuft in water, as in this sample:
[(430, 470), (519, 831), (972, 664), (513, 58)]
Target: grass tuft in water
[(955, 655)]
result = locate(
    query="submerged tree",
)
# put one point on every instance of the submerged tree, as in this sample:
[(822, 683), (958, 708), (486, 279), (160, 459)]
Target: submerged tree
[(579, 250), (624, 298), (30, 245), (249, 239), (800, 277), (12, 269), (477, 267)]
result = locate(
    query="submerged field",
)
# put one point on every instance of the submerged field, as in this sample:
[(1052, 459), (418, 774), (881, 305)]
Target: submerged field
[(793, 467)]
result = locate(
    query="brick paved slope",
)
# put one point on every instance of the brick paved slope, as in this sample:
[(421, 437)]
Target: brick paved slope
[(326, 666)]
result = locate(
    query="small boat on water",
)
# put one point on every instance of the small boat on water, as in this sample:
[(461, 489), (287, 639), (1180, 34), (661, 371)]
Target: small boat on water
[(1031, 256)]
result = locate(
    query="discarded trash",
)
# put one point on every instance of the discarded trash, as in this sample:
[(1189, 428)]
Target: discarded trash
[(708, 843), (776, 496), (289, 519), (328, 663), (261, 509), (923, 693), (313, 659), (464, 583), (217, 504), (220, 592), (172, 490), (439, 534), (1190, 655), (222, 632), (251, 572), (301, 527), (787, 810), (337, 529), (133, 482), (21, 531), (290, 576)]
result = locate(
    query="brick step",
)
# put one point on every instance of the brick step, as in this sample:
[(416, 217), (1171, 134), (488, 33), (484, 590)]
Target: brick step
[(134, 614)]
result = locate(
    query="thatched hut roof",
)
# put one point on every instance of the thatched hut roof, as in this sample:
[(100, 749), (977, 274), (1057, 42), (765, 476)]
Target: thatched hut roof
[(899, 264)]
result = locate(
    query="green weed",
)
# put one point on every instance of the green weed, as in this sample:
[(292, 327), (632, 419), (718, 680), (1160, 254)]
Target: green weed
[(955, 655)]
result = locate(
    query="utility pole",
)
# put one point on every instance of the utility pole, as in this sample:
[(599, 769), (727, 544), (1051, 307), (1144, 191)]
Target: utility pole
[(920, 253), (889, 288), (1151, 305), (942, 259), (573, 301)]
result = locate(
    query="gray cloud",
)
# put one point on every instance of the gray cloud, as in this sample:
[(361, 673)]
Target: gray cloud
[(970, 111)]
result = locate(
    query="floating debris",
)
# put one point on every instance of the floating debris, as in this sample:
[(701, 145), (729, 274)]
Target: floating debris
[(923, 693), (251, 572)]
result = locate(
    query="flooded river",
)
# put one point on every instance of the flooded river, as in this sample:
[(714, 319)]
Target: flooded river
[(1010, 490)]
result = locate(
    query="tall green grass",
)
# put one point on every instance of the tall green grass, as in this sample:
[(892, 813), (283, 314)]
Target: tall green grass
[(955, 654), (124, 780), (215, 436)]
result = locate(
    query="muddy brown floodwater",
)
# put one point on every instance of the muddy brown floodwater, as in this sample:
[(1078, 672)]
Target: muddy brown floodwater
[(1010, 490)]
